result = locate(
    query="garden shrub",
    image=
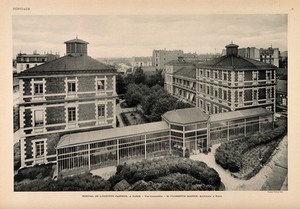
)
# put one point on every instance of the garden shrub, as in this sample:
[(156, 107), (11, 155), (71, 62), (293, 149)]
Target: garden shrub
[(229, 154), (162, 172), (82, 182), (232, 166), (37, 171)]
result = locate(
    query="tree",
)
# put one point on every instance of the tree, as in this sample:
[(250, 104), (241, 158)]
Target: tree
[(120, 84), (161, 106), (156, 79), (148, 103), (133, 95), (139, 76), (129, 79)]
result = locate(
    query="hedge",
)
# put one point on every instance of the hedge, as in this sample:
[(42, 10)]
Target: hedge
[(82, 182), (229, 154), (158, 170), (124, 119)]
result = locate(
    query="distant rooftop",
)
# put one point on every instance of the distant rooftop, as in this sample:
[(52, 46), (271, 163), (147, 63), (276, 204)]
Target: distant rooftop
[(68, 63), (186, 71), (142, 59), (235, 62), (180, 61)]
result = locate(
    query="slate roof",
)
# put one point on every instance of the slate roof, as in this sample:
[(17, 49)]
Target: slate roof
[(76, 40), (93, 136), (251, 112), (235, 62), (180, 62), (185, 116), (68, 63), (186, 71), (231, 46)]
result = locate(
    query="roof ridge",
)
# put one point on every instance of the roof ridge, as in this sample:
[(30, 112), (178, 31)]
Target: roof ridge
[(247, 60), (223, 58)]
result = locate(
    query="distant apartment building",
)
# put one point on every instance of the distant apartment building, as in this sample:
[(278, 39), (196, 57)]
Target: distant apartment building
[(161, 57), (141, 62), (73, 93), (180, 80), (270, 56), (249, 52), (145, 63), (26, 61)]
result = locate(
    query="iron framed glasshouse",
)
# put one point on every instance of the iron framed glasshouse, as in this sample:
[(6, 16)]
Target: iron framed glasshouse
[(87, 151)]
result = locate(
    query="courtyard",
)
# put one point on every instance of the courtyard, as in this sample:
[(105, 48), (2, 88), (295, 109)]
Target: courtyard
[(273, 176)]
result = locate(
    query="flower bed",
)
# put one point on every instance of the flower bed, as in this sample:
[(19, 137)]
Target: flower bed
[(132, 118)]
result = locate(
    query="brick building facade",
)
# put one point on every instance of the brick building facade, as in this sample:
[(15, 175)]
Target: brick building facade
[(223, 84), (180, 80), (233, 83), (70, 94)]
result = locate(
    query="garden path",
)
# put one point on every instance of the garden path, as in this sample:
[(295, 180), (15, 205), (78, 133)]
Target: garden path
[(120, 110), (267, 175), (256, 182)]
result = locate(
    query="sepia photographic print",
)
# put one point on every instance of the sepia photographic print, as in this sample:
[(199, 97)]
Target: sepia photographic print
[(149, 107), (136, 110)]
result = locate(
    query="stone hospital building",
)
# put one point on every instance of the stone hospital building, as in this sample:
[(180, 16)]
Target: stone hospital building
[(68, 114)]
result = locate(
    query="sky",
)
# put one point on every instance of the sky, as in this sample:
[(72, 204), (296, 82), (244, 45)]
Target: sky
[(137, 35)]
